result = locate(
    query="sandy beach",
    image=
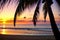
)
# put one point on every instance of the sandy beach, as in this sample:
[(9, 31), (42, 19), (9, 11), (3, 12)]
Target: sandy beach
[(26, 37)]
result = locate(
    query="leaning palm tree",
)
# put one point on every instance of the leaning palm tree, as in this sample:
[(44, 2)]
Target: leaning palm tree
[(47, 8)]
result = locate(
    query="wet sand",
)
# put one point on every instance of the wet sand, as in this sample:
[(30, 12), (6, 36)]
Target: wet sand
[(26, 37)]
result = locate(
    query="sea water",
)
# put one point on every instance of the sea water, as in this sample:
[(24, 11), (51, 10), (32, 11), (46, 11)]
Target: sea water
[(30, 29)]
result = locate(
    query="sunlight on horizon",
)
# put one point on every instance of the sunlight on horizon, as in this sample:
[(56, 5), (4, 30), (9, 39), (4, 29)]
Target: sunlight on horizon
[(3, 30), (4, 21)]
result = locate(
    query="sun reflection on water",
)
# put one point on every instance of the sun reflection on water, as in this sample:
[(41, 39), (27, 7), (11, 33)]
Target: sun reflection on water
[(4, 30)]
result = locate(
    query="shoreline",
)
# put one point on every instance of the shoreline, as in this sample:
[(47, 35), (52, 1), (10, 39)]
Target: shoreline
[(26, 37)]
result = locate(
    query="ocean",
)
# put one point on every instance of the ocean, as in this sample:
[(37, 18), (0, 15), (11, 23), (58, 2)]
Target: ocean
[(30, 29)]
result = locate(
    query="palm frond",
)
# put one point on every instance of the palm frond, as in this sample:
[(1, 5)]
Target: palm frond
[(23, 4), (45, 11), (36, 13), (58, 1), (45, 7), (3, 2)]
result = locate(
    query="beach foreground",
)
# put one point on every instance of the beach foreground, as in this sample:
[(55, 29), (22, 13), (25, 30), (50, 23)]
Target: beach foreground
[(26, 37)]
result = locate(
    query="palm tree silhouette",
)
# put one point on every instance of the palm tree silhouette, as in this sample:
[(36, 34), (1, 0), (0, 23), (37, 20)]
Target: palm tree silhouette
[(23, 4), (47, 8)]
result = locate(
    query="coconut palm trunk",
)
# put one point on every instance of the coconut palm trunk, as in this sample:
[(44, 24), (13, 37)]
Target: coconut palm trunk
[(53, 24), (15, 18)]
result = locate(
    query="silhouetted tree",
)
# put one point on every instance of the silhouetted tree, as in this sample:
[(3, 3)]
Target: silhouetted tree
[(47, 8)]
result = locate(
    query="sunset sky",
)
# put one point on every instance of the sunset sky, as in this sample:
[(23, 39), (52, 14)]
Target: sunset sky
[(25, 19), (8, 12)]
